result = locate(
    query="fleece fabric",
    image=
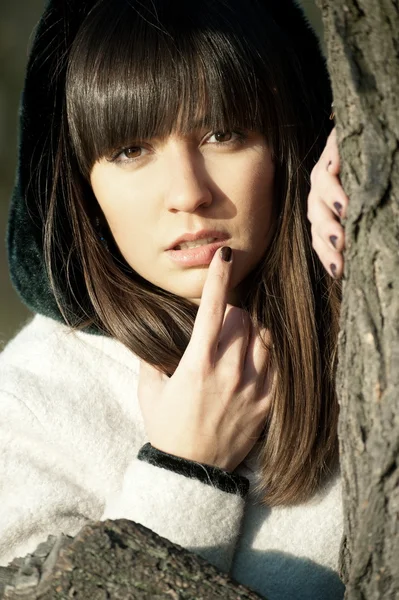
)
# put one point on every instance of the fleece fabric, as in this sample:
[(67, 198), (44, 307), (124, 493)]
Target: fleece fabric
[(73, 448)]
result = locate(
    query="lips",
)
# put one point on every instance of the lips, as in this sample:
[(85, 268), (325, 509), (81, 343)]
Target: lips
[(195, 244), (204, 234), (201, 256)]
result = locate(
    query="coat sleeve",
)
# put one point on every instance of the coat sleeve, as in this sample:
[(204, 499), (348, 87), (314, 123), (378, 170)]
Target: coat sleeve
[(41, 490), (194, 505), (44, 490)]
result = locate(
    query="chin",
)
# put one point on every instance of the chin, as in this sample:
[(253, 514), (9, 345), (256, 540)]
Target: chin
[(190, 285), (194, 293)]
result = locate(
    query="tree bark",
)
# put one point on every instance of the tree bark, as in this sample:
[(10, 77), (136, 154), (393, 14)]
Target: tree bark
[(362, 40), (121, 560)]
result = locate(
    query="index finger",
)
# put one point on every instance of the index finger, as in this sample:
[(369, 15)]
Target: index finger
[(210, 315)]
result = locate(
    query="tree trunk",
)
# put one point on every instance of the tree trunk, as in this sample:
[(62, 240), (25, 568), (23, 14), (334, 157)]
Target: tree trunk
[(121, 560), (362, 39)]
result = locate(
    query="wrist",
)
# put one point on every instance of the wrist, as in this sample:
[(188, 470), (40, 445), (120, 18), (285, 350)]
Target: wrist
[(208, 474)]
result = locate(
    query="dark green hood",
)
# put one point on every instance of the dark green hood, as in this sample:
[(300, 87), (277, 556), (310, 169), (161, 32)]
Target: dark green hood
[(39, 129)]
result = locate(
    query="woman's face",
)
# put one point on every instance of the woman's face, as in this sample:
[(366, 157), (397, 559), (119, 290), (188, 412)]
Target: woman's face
[(158, 190)]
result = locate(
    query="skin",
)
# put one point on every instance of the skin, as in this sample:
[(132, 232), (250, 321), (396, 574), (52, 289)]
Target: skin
[(217, 400), (160, 189), (325, 199)]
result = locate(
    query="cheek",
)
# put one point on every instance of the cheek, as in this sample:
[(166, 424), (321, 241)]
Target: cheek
[(105, 191), (130, 230), (257, 190), (130, 220), (123, 213)]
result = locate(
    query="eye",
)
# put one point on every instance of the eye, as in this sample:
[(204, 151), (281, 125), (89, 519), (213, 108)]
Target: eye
[(129, 154), (133, 152), (221, 136), (227, 138)]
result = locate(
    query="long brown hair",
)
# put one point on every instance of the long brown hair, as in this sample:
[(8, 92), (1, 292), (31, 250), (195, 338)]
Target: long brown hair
[(132, 72)]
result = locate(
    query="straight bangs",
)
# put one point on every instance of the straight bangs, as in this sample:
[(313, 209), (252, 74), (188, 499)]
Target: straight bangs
[(133, 76)]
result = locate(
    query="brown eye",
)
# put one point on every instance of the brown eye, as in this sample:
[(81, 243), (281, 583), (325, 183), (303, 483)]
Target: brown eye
[(133, 152), (223, 136)]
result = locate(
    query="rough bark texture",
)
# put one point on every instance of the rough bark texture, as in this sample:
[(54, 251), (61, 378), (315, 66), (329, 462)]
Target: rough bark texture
[(116, 560), (362, 39)]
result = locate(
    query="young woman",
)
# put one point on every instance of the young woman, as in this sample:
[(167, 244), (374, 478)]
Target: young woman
[(179, 369)]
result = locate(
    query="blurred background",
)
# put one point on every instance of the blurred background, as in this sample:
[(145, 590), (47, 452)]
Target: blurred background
[(18, 19)]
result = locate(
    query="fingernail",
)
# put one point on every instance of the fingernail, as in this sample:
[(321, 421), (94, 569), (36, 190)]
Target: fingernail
[(333, 269), (226, 253), (333, 240), (338, 208)]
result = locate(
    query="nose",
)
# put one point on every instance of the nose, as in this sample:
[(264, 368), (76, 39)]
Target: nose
[(187, 187)]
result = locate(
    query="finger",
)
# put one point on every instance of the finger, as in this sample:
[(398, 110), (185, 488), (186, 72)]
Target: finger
[(326, 189), (257, 357), (332, 154), (327, 227), (329, 159), (234, 337), (210, 315), (332, 261), (324, 177)]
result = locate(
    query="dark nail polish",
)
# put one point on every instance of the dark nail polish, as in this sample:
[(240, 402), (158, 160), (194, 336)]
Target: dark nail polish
[(338, 208), (333, 240), (226, 253), (333, 269)]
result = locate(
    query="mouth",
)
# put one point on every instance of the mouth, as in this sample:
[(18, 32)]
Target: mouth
[(196, 243), (199, 238), (198, 253)]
